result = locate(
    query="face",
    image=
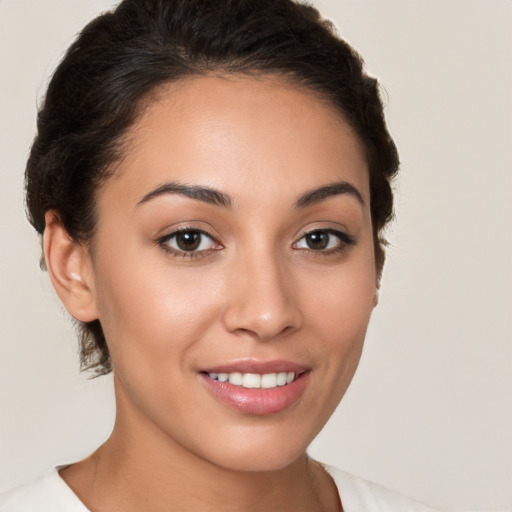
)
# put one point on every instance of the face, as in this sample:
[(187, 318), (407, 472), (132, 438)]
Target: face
[(233, 269)]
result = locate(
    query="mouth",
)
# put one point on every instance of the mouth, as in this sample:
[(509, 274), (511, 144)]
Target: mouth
[(257, 388), (255, 380)]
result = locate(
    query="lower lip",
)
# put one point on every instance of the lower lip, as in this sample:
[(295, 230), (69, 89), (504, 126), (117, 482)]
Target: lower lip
[(258, 401)]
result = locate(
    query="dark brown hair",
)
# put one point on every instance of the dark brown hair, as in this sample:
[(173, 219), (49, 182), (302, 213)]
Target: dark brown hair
[(124, 55)]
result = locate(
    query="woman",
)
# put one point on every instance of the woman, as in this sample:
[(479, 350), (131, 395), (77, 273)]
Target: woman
[(211, 180)]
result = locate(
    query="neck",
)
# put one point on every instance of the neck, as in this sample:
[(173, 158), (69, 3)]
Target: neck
[(142, 468)]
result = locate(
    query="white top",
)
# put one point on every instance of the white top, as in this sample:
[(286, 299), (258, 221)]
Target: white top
[(51, 494)]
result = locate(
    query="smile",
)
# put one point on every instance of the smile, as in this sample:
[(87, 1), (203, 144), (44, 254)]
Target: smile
[(255, 380), (259, 388)]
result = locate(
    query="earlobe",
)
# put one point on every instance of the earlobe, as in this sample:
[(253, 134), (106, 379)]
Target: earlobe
[(380, 257), (69, 268)]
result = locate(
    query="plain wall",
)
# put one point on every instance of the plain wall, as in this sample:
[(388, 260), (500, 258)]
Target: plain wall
[(429, 412)]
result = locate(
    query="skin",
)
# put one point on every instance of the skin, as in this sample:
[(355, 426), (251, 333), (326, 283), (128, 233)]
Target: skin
[(258, 291)]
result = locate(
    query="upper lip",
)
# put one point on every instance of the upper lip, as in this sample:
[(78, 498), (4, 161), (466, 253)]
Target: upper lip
[(256, 366)]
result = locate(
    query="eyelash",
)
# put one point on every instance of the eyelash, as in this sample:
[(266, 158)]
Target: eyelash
[(164, 243), (344, 240)]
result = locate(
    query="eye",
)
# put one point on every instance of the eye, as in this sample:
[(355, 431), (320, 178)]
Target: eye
[(327, 240), (188, 242)]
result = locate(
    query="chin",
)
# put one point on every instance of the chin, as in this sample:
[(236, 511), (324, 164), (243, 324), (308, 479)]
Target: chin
[(254, 452), (262, 462)]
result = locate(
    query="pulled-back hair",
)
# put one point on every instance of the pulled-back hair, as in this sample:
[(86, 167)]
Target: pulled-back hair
[(123, 56)]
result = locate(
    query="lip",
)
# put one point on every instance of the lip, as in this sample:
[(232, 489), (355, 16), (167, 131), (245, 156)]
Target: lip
[(257, 401), (254, 366)]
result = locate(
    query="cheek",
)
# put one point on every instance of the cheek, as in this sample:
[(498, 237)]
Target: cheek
[(338, 311), (340, 303), (153, 309)]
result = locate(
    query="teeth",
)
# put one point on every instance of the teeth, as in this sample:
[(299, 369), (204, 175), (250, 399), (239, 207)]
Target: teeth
[(281, 379), (236, 378), (251, 380), (269, 380), (255, 380)]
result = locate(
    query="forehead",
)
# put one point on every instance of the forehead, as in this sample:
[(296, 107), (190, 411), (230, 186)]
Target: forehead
[(244, 135)]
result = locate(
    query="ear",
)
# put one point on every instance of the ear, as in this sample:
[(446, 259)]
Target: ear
[(380, 258), (376, 295), (70, 270)]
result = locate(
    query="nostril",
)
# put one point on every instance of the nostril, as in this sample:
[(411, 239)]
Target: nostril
[(265, 332), (259, 304)]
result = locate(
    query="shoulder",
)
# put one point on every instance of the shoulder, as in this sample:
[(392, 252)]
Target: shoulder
[(359, 495), (48, 493)]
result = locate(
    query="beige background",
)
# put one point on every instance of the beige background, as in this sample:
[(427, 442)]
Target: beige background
[(429, 412)]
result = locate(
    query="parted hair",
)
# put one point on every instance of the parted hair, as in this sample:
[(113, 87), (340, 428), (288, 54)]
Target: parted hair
[(124, 55)]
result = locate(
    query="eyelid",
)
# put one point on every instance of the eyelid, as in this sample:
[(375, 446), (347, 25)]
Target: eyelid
[(163, 240), (187, 225), (344, 237)]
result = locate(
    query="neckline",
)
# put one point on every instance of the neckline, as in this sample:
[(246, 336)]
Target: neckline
[(70, 494)]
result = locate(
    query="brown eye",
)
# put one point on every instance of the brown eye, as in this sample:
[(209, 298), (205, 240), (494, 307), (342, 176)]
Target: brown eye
[(188, 241), (324, 240), (318, 240)]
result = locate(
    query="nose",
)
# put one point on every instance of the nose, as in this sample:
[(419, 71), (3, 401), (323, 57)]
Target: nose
[(261, 300)]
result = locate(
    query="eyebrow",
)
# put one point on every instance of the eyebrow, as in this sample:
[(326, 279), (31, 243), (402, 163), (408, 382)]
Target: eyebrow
[(214, 197), (205, 194), (334, 189)]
